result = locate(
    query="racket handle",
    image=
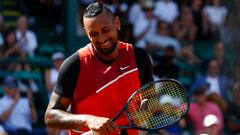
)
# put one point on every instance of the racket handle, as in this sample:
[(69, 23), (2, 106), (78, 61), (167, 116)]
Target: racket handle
[(92, 133), (123, 127)]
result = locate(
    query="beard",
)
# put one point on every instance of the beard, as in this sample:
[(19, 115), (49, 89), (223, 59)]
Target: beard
[(108, 50)]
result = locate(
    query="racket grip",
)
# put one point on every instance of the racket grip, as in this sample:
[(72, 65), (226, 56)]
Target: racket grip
[(123, 127)]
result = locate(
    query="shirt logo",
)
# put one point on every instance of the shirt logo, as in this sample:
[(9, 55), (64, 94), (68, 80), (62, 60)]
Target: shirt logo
[(123, 68)]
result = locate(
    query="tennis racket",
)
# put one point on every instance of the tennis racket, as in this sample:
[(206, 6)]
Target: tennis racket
[(156, 105)]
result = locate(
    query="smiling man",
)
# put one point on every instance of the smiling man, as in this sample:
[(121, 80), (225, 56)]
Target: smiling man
[(97, 80)]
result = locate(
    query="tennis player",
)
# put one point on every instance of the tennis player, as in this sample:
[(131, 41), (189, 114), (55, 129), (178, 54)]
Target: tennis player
[(96, 81)]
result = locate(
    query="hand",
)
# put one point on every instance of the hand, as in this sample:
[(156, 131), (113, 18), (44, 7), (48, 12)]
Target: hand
[(29, 95), (16, 96), (144, 104), (101, 125)]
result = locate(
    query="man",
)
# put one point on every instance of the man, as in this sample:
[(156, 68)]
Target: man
[(52, 73), (233, 112), (17, 113), (219, 84), (98, 79), (201, 109), (25, 37)]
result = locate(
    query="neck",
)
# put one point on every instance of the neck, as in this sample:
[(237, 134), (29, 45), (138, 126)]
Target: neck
[(109, 57), (212, 75), (202, 103)]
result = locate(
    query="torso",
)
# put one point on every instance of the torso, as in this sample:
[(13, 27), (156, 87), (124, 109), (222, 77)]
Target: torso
[(101, 88)]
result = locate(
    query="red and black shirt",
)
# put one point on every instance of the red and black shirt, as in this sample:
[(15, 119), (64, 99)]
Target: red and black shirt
[(101, 87)]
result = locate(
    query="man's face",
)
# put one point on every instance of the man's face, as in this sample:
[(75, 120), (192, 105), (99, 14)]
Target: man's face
[(22, 24), (200, 98), (213, 68), (219, 50), (10, 91), (102, 32)]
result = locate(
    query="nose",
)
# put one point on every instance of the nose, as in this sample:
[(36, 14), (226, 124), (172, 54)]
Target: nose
[(102, 38)]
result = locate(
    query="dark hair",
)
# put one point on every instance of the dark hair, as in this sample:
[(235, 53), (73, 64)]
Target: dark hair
[(6, 34), (202, 89), (95, 9), (160, 22), (170, 48)]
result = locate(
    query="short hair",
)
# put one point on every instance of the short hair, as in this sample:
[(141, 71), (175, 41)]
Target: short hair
[(95, 9)]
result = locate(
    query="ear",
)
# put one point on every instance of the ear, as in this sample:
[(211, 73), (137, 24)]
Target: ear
[(117, 23)]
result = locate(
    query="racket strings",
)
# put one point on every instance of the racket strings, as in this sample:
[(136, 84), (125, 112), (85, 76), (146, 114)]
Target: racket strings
[(163, 104)]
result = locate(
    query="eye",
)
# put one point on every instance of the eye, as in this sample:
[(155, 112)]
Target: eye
[(106, 30), (93, 34)]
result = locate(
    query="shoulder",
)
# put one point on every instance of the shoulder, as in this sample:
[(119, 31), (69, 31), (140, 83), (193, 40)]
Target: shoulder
[(30, 33), (72, 58), (212, 105), (138, 49), (193, 105), (201, 78), (85, 51), (70, 62), (5, 101), (67, 77), (4, 98), (141, 56), (1, 100), (139, 52), (124, 45)]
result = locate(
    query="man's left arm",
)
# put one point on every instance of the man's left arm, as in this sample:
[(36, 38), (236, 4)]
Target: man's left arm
[(144, 65)]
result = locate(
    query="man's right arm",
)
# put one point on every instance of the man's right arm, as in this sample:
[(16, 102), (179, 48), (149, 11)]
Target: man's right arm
[(56, 115)]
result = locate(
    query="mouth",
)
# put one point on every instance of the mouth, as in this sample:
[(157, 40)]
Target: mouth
[(106, 47), (106, 44)]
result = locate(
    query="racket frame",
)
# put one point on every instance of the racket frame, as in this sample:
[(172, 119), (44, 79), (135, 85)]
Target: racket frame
[(132, 125)]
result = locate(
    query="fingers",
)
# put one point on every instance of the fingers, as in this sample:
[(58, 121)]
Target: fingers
[(17, 95), (101, 125), (107, 128), (29, 95), (144, 104), (111, 127)]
